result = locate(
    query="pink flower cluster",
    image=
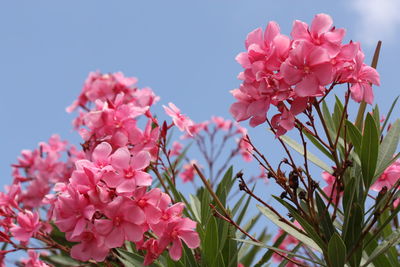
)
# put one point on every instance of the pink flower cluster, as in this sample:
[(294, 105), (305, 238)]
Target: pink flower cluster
[(107, 199), (99, 197), (290, 73)]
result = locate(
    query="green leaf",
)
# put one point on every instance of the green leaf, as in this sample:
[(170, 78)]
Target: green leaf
[(369, 150), (336, 251), (388, 243), (381, 260), (131, 259), (211, 241), (389, 113), (388, 148), (288, 227), (196, 207), (318, 145), (225, 186), (375, 115), (280, 250), (327, 117), (325, 219), (352, 236), (306, 226), (310, 156), (355, 136), (267, 256), (61, 260)]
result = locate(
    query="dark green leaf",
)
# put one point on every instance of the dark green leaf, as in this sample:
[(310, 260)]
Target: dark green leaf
[(369, 150), (355, 136), (324, 218), (336, 251), (352, 237)]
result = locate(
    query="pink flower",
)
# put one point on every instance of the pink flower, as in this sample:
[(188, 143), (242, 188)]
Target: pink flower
[(321, 33), (388, 178), (188, 172), (181, 121), (181, 229), (362, 79), (245, 148), (72, 212), (28, 226), (91, 246), (176, 149), (308, 68), (221, 123), (123, 223), (129, 171), (33, 260), (329, 190)]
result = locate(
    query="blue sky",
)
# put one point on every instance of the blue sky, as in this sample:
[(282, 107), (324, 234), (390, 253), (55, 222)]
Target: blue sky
[(183, 50)]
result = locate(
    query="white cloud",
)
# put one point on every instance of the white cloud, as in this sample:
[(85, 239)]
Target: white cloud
[(377, 20)]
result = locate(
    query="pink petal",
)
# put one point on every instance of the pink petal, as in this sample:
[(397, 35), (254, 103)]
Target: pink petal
[(254, 37), (140, 160), (103, 226), (191, 238), (115, 239), (271, 31), (133, 232), (101, 152), (134, 214), (239, 111), (142, 178), (175, 251), (290, 73), (120, 159), (127, 186), (320, 24), (307, 87), (324, 73), (300, 30)]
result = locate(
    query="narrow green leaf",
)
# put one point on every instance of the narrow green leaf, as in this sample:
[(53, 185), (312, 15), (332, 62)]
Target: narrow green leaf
[(325, 219), (355, 136), (306, 226), (310, 156), (388, 243), (389, 113), (369, 150), (388, 148), (327, 117), (353, 234), (280, 250), (288, 227), (318, 145), (196, 207), (381, 260), (225, 186), (336, 251), (267, 256)]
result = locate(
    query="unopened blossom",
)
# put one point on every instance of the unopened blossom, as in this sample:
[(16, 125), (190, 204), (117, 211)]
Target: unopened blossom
[(28, 225)]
